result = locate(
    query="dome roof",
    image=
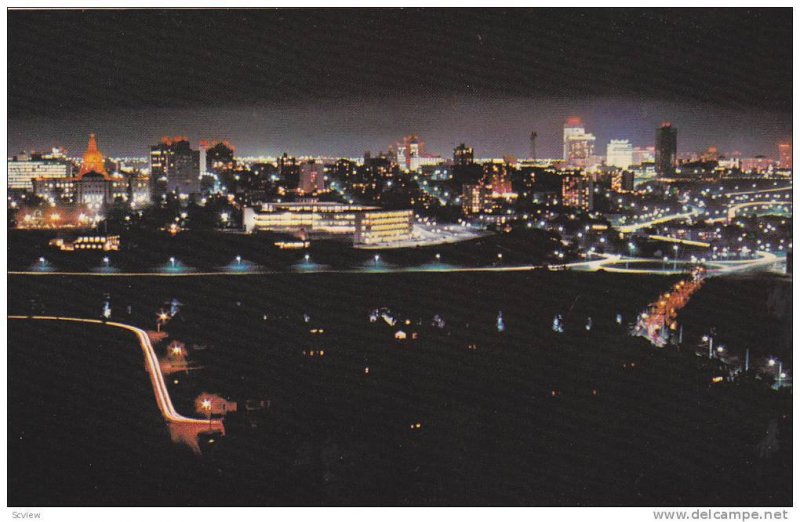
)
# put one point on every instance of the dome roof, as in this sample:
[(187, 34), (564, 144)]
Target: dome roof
[(93, 160)]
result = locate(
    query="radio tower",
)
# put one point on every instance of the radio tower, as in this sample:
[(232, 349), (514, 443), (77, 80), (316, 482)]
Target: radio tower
[(533, 145)]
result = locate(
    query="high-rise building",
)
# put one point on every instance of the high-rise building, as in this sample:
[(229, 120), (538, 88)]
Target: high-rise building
[(666, 149), (577, 191), (411, 154), (475, 199), (619, 153), (578, 144), (174, 165), (463, 155), (409, 151), (312, 177), (785, 154)]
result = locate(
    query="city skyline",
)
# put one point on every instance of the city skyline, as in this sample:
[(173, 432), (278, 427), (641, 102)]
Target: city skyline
[(264, 131)]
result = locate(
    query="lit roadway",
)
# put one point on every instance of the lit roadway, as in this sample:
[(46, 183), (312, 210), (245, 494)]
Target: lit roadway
[(627, 229), (609, 262), (182, 429)]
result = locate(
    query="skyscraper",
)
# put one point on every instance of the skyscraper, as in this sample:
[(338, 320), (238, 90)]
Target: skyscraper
[(174, 166), (409, 152), (578, 145), (666, 149), (577, 191)]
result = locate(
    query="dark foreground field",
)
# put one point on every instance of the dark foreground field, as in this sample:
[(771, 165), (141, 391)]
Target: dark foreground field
[(520, 417)]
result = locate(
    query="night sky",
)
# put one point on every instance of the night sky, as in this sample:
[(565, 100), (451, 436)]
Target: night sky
[(344, 81)]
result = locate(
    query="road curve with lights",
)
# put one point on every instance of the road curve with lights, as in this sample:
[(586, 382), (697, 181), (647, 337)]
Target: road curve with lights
[(163, 399)]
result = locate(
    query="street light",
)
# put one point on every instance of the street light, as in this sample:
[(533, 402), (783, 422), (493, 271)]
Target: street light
[(377, 258), (675, 259), (238, 260), (172, 261), (206, 405), (106, 260)]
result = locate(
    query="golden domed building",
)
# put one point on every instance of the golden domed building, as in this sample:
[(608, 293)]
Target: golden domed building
[(94, 187), (93, 160)]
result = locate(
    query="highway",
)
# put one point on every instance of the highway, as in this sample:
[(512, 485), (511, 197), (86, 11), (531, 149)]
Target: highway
[(627, 229), (182, 429)]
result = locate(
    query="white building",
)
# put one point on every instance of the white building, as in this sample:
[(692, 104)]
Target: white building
[(21, 173), (619, 153), (366, 225)]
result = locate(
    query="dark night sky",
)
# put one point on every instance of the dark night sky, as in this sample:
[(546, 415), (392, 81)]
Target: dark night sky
[(343, 81)]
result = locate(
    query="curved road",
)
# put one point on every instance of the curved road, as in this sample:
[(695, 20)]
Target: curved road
[(183, 429)]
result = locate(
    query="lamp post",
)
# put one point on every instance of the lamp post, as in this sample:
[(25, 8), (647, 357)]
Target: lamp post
[(206, 405), (675, 259), (710, 341)]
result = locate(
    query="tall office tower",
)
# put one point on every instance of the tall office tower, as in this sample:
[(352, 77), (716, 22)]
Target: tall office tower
[(174, 166), (409, 152), (666, 149), (785, 154), (577, 191), (578, 145), (534, 135), (312, 177), (619, 153), (463, 155)]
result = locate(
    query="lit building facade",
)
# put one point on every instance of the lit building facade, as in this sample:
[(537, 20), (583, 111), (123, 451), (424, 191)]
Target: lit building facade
[(22, 171), (463, 155), (577, 191), (497, 179), (475, 199), (364, 224), (174, 166), (619, 153), (578, 144), (374, 227)]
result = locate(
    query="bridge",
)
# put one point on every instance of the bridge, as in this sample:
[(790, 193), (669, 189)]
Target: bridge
[(182, 429)]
